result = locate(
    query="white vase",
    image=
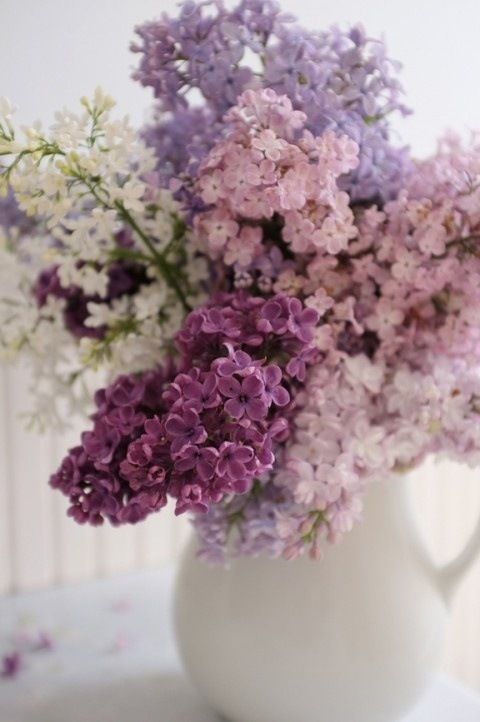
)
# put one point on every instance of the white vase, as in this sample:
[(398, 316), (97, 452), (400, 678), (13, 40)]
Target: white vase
[(355, 637)]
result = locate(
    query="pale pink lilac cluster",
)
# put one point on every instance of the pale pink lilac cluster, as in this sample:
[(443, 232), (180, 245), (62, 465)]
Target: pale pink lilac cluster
[(270, 171), (361, 425), (317, 290)]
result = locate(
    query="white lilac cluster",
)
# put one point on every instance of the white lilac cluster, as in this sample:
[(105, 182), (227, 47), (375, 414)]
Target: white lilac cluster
[(41, 338), (100, 254)]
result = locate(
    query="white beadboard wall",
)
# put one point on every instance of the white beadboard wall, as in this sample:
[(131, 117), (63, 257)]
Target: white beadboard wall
[(40, 546)]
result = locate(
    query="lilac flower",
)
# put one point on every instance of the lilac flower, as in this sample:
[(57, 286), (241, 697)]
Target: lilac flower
[(245, 397), (195, 436), (220, 321), (11, 665), (125, 419), (202, 459), (233, 463), (239, 362), (185, 429), (274, 316), (301, 320), (125, 391), (297, 366), (273, 390), (203, 395), (101, 444), (139, 453), (191, 498)]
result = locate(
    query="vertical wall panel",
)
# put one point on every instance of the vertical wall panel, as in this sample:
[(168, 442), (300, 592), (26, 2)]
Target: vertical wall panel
[(30, 497), (6, 551), (118, 548), (78, 547), (156, 540)]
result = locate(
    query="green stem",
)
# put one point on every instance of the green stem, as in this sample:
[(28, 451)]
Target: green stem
[(159, 260), (163, 265), (125, 254), (318, 518)]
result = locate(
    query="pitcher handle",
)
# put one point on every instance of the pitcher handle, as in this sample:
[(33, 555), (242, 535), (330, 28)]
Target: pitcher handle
[(451, 574), (448, 576)]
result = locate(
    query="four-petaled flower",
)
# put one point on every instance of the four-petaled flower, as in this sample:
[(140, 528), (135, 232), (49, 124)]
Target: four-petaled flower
[(246, 397), (233, 462), (273, 390), (202, 394), (185, 429), (201, 459)]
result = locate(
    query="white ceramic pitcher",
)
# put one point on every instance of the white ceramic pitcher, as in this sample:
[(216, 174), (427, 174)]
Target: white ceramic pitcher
[(354, 637)]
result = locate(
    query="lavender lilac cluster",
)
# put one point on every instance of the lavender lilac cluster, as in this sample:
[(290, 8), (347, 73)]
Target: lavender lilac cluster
[(343, 81), (204, 433), (12, 218)]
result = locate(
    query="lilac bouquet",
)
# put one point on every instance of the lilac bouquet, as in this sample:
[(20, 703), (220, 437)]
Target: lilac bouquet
[(281, 306)]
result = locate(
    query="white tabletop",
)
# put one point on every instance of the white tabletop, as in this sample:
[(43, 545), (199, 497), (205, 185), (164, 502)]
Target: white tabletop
[(113, 659)]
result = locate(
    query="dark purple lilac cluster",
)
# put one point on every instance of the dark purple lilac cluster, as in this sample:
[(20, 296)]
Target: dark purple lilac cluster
[(342, 80), (204, 433), (91, 474), (221, 427), (279, 330), (124, 278)]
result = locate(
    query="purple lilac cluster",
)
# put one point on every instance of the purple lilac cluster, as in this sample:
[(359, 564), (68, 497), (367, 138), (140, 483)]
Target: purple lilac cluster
[(124, 278), (279, 329), (200, 435), (343, 81), (93, 474)]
